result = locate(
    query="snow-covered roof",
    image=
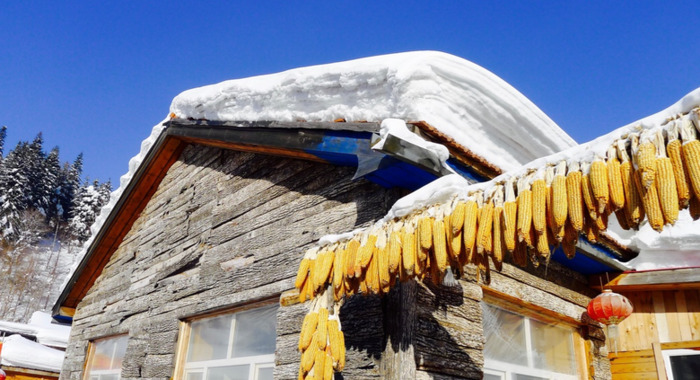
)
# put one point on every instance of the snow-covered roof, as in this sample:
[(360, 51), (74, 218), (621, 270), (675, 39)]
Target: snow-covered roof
[(18, 351), (459, 98), (41, 327)]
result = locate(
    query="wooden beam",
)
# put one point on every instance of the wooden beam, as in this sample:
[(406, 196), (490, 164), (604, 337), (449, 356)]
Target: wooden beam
[(657, 280), (659, 360)]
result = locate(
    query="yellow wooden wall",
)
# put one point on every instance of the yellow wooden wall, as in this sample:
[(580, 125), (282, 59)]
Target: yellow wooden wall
[(667, 318)]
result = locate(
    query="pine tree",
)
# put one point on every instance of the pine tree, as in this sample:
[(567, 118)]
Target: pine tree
[(15, 186), (69, 185)]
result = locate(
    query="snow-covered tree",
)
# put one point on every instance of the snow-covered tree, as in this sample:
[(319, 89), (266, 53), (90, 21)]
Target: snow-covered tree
[(15, 186), (86, 207)]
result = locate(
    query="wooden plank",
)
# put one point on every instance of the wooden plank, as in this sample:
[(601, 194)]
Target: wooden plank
[(683, 315), (659, 359), (672, 322), (660, 316), (672, 279), (642, 366), (680, 345), (635, 376), (692, 299)]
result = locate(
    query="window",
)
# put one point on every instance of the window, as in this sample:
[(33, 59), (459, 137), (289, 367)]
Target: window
[(104, 359), (682, 364), (234, 346), (522, 348)]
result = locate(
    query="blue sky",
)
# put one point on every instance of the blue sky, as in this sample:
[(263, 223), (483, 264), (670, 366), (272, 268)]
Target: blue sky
[(94, 77)]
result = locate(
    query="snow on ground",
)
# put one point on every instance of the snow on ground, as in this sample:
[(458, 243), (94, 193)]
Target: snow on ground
[(23, 353), (463, 100)]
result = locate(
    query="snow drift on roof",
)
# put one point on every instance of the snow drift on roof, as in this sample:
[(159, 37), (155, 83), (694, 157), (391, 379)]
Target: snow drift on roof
[(23, 353), (41, 327), (461, 99)]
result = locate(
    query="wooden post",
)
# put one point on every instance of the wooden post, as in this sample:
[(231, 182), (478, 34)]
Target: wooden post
[(659, 359)]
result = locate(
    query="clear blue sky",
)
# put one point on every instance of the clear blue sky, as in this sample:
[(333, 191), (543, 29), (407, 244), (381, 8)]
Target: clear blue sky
[(95, 76)]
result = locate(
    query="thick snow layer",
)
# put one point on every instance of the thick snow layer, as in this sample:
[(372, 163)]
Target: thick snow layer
[(23, 353), (463, 100), (40, 326)]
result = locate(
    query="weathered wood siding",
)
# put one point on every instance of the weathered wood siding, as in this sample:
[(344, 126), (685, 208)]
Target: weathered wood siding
[(666, 317), (224, 228)]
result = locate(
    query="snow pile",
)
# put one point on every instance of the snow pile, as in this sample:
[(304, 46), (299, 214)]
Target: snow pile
[(461, 99), (40, 326), (23, 353)]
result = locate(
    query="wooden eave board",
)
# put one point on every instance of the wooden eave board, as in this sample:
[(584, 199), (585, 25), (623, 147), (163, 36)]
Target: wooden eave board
[(668, 279)]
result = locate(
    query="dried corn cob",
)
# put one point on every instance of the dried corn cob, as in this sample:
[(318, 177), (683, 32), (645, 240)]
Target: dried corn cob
[(395, 248), (324, 265), (499, 246), (339, 266), (322, 328), (539, 204), (510, 212), (542, 246), (409, 249), (646, 159), (598, 177), (524, 210), (674, 150), (351, 257), (308, 356), (633, 202), (383, 262), (308, 327), (650, 200), (694, 208), (319, 364), (425, 224), (440, 243), (665, 182), (484, 237), (366, 250), (559, 201), (622, 219), (574, 196), (568, 244), (587, 192), (617, 193), (303, 271), (691, 152), (470, 227), (328, 366), (520, 254)]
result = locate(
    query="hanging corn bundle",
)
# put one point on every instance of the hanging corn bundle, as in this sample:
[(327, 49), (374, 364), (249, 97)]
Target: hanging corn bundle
[(647, 174)]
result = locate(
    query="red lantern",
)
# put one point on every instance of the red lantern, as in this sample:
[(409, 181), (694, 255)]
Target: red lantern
[(2, 375), (610, 309)]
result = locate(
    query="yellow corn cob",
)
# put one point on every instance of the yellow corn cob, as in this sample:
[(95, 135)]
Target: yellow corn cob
[(339, 267), (633, 202), (308, 327), (574, 197), (365, 253), (694, 208), (543, 246), (383, 268), (680, 175), (559, 200), (333, 339), (322, 328), (665, 182), (601, 223), (372, 275), (470, 226), (587, 193), (691, 157), (351, 257), (328, 366), (440, 244), (591, 231), (323, 268), (568, 244), (395, 250), (457, 217), (646, 161), (340, 365), (309, 355), (617, 193), (510, 211), (409, 250), (524, 211), (499, 246), (539, 205), (598, 177), (303, 290), (434, 269), (650, 200), (319, 364), (302, 273), (484, 237), (426, 234)]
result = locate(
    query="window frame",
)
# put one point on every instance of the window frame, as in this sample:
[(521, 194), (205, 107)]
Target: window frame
[(533, 312), (255, 362), (668, 353), (90, 355)]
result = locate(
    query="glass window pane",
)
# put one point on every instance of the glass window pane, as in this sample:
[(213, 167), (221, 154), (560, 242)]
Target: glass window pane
[(119, 351), (255, 332), (264, 373), (107, 355), (517, 376), (209, 339), (193, 376), (489, 376), (505, 336), (552, 348), (234, 372), (685, 367)]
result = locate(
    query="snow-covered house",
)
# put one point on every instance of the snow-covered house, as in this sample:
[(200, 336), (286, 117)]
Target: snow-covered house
[(33, 350), (191, 271)]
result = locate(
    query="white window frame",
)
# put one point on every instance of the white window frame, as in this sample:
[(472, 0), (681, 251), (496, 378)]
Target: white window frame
[(667, 354), (184, 368), (507, 370)]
